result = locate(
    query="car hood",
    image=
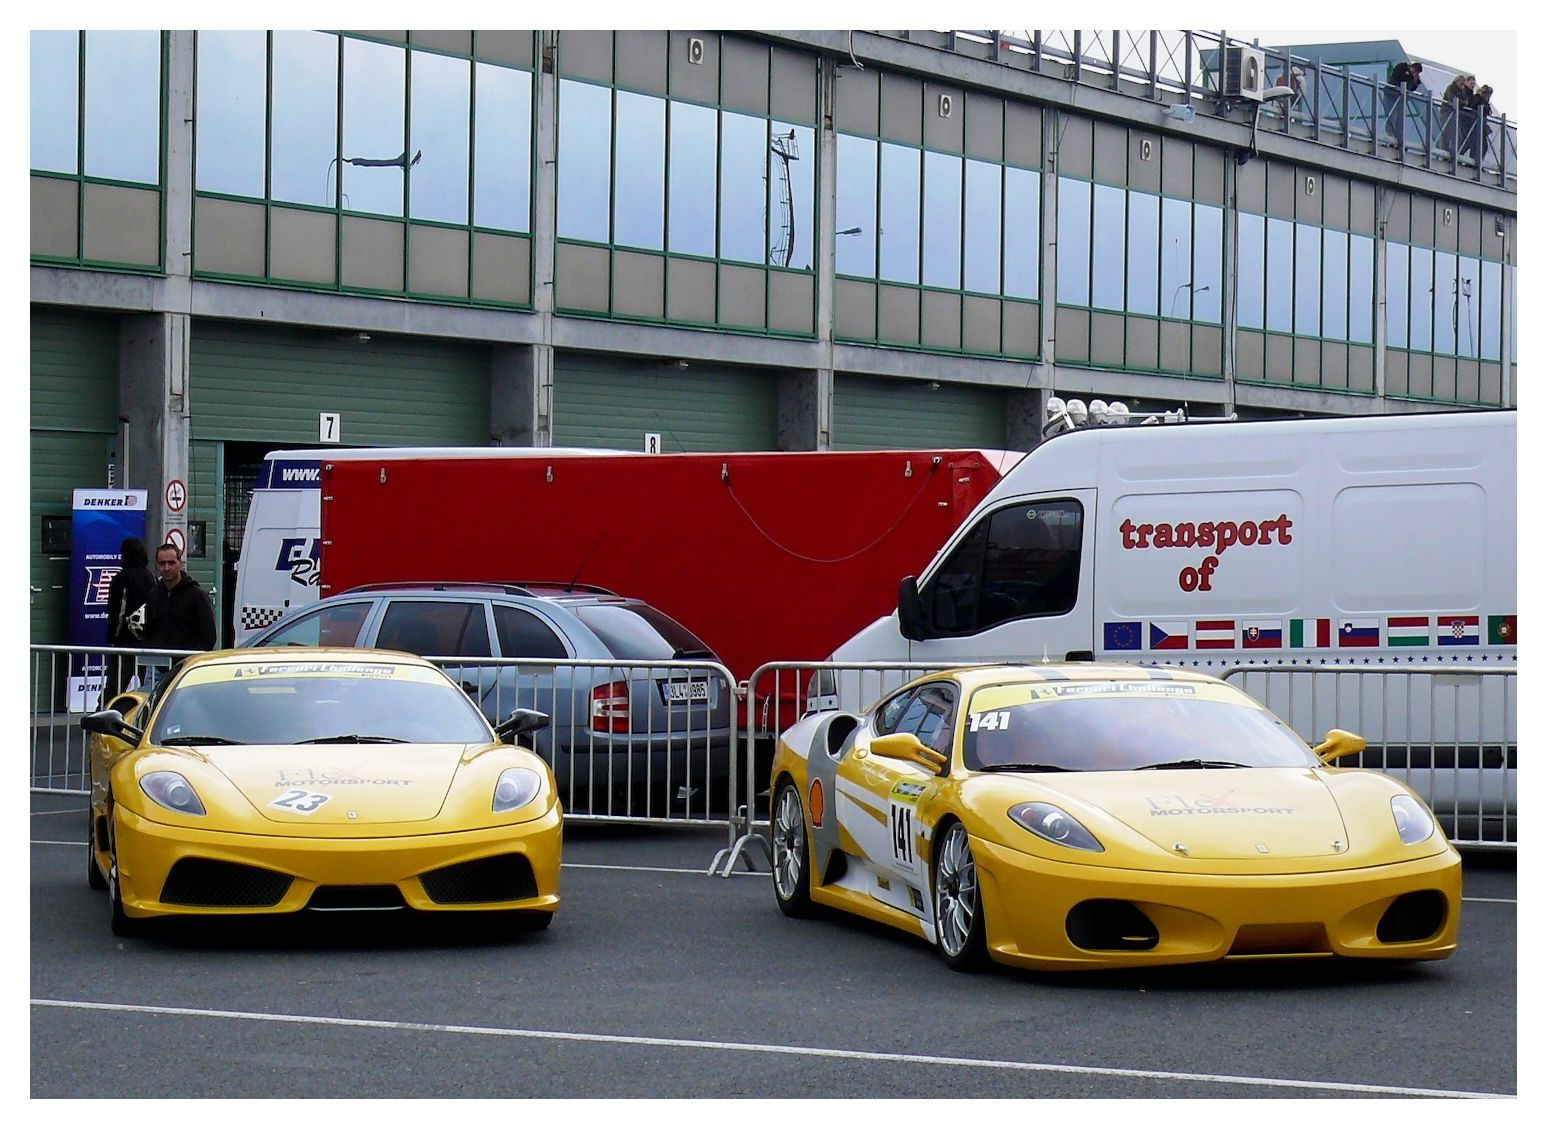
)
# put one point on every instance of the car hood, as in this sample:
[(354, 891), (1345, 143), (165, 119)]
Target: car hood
[(1251, 813), (360, 784)]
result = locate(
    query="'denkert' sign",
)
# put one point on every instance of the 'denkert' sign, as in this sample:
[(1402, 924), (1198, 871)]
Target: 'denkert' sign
[(100, 520)]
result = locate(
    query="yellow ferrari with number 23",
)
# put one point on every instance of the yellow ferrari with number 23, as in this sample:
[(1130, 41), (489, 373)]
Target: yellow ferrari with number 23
[(269, 782), (1081, 816)]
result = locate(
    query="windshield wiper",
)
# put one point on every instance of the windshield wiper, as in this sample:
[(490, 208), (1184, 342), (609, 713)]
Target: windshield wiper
[(353, 739), (1025, 766), (180, 739), (1192, 763)]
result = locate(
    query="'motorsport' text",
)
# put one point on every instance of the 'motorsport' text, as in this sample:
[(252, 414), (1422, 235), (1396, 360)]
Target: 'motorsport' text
[(1217, 535)]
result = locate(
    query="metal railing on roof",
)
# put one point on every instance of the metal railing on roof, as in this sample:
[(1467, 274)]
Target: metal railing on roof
[(1336, 105)]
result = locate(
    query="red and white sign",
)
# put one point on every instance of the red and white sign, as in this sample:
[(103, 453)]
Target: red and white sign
[(176, 537), (177, 496)]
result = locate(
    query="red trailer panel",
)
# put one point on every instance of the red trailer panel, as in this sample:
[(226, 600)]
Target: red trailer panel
[(767, 557)]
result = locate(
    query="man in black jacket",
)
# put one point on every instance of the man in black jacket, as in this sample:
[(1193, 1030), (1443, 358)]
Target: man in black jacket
[(179, 616), (127, 594)]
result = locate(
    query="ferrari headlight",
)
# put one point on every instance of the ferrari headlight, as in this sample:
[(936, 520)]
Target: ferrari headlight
[(172, 791), (516, 788), (1414, 823), (1055, 825)]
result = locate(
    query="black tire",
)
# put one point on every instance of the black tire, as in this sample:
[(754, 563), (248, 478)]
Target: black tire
[(94, 877), (960, 934), (791, 852), (123, 925)]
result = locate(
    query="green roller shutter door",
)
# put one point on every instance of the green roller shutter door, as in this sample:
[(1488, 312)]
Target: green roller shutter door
[(601, 402), (74, 414), (272, 386), (871, 414)]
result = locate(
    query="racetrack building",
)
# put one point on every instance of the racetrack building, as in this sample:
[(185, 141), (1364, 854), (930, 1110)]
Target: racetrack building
[(721, 241)]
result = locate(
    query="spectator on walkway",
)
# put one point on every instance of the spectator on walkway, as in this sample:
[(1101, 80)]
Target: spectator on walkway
[(1457, 110), (1404, 78), (180, 616), (127, 594), (1480, 110)]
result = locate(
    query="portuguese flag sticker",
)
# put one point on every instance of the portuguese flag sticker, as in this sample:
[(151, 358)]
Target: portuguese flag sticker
[(1501, 630)]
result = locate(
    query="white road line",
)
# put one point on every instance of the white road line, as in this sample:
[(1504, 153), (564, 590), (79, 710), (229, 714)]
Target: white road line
[(63, 811), (775, 1049)]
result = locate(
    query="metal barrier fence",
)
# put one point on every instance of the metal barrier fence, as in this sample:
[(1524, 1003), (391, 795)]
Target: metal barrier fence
[(1451, 734), (667, 744), (643, 743)]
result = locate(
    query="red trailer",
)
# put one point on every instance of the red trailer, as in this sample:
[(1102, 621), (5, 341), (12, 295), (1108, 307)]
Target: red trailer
[(767, 557)]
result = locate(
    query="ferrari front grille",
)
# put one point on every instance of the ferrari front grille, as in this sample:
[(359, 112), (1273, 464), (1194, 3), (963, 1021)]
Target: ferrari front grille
[(356, 897), (209, 882), (1104, 923), (500, 878), (1415, 916)]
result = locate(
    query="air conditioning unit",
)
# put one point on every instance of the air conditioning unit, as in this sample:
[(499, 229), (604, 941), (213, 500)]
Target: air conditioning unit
[(1243, 77)]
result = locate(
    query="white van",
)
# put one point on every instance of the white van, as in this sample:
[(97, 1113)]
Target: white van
[(1385, 541)]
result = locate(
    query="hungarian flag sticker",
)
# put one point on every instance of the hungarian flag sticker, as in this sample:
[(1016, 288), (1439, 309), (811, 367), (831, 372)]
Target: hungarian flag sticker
[(1407, 631)]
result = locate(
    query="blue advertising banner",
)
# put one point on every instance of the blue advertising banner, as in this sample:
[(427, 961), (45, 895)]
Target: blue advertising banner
[(100, 520)]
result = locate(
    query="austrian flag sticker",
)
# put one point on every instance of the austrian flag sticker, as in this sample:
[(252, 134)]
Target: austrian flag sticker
[(1214, 634)]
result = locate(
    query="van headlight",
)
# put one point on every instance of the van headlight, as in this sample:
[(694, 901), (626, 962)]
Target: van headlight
[(516, 788), (1414, 823), (1052, 823)]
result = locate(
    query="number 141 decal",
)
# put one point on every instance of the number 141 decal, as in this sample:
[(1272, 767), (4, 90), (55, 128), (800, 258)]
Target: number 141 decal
[(994, 719), (298, 799), (902, 834)]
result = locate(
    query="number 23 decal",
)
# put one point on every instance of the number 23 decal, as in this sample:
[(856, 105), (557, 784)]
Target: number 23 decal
[(298, 799)]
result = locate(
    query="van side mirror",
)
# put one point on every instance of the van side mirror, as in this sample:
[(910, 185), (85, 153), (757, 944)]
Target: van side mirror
[(1338, 744), (910, 610), (111, 723), (907, 747), (521, 722)]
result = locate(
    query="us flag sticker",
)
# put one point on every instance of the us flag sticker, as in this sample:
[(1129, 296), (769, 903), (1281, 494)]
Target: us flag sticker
[(1407, 631)]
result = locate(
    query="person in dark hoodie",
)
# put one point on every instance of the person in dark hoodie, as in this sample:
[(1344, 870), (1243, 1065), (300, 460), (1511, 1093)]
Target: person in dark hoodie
[(127, 594), (179, 616)]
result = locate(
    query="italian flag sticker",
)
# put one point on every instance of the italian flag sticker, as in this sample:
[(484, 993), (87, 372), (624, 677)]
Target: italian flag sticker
[(1310, 633)]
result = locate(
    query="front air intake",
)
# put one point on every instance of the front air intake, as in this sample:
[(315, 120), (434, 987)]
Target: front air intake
[(502, 878), (1415, 916), (1107, 924), (208, 882)]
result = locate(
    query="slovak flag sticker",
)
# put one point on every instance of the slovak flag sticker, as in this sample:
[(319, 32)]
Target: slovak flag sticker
[(1262, 634)]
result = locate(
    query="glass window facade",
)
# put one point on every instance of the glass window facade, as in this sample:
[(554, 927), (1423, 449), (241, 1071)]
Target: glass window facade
[(1304, 279)]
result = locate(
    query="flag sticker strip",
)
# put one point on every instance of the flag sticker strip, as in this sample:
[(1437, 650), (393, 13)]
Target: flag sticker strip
[(1214, 634), (1407, 631), (1261, 633), (1169, 635), (1123, 635), (1458, 631)]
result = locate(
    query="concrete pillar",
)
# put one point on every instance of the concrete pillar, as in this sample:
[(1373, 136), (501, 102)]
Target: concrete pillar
[(536, 391), (520, 396), (805, 410), (1023, 417), (1228, 282), (1382, 210), (155, 409)]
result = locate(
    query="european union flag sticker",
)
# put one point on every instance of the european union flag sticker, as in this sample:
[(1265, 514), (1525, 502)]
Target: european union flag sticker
[(1124, 635)]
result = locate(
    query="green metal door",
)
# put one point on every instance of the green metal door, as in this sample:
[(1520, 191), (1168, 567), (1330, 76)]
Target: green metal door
[(870, 413), (74, 416), (604, 402)]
